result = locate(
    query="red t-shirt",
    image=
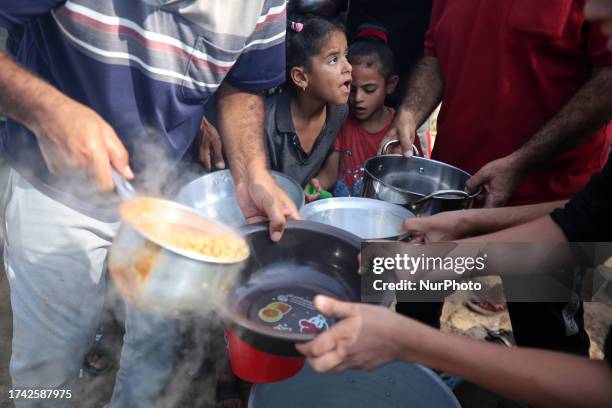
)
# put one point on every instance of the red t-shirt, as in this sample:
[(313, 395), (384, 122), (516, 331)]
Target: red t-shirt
[(509, 66), (356, 145)]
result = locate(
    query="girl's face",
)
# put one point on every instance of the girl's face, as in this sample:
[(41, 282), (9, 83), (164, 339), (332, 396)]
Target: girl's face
[(329, 74), (368, 91)]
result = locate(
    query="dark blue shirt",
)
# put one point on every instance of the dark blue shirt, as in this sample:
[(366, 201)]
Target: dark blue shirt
[(146, 67)]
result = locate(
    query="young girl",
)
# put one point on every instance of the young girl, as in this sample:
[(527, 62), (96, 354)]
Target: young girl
[(302, 122), (373, 79)]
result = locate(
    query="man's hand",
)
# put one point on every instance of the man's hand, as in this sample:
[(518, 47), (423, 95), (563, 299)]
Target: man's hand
[(261, 198), (211, 148), (442, 227), (499, 179), (403, 129), (71, 136), (317, 186), (364, 339), (74, 137), (241, 124)]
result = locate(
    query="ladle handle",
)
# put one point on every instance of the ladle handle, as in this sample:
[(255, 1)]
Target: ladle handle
[(124, 188), (395, 141)]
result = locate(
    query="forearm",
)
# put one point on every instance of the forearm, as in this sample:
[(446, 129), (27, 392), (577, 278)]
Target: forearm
[(588, 110), (537, 377), (241, 124), (24, 97), (329, 173), (542, 229), (533, 248), (424, 91), (487, 220)]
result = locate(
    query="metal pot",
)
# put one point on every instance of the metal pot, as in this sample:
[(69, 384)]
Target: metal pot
[(214, 195), (423, 186), (311, 259), (364, 217), (159, 277)]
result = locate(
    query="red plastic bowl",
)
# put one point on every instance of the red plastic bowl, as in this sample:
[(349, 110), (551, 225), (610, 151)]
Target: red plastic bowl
[(256, 366)]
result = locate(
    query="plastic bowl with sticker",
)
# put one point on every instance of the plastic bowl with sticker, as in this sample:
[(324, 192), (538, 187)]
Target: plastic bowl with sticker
[(270, 304)]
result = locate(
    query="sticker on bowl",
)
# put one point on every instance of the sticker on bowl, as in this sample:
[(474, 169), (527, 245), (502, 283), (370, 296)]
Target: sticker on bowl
[(282, 327), (313, 325), (273, 312), (284, 308), (270, 315)]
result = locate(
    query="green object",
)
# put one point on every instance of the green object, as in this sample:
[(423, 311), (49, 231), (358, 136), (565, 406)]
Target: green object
[(325, 194), (310, 190)]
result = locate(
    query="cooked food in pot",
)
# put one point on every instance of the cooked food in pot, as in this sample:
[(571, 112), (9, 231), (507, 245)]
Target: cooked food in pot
[(192, 239)]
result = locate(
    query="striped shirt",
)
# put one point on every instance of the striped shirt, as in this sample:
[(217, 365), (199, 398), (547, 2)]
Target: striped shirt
[(146, 66)]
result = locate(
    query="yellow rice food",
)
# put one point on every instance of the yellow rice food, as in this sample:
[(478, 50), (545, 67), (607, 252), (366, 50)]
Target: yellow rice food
[(192, 239)]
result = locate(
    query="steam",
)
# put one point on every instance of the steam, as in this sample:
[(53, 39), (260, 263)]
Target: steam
[(157, 175), (173, 361), (186, 349)]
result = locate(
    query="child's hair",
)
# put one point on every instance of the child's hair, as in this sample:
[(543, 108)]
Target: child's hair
[(370, 48), (306, 34)]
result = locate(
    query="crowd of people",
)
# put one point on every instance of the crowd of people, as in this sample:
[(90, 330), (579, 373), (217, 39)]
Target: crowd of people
[(134, 87)]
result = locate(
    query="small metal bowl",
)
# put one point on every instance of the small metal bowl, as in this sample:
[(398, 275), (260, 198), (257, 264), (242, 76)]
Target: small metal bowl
[(157, 276), (364, 217)]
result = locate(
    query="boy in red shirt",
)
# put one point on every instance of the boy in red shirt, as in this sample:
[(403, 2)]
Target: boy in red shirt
[(373, 79)]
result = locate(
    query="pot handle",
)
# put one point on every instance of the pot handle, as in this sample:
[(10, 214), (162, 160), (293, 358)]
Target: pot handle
[(396, 141), (438, 193)]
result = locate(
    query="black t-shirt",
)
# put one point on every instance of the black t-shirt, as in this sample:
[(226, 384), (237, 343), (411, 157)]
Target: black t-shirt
[(406, 22), (587, 217)]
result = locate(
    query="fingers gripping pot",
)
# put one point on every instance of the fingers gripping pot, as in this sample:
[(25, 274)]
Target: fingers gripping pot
[(421, 185), (214, 195), (154, 266)]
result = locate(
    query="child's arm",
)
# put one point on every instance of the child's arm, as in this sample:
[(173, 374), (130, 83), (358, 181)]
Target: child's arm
[(326, 178), (329, 173)]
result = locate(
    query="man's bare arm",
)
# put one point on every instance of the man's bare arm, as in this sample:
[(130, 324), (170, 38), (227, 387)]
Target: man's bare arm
[(24, 98), (452, 225), (241, 124), (424, 93), (425, 89), (588, 110), (537, 377)]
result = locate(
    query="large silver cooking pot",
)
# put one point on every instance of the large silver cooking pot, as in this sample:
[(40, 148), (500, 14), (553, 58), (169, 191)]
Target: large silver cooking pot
[(364, 217), (214, 195), (157, 276), (423, 186)]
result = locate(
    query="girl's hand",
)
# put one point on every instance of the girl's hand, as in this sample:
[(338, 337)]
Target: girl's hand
[(317, 186)]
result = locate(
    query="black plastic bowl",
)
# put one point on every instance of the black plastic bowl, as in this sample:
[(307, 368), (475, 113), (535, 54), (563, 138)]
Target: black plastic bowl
[(311, 259)]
